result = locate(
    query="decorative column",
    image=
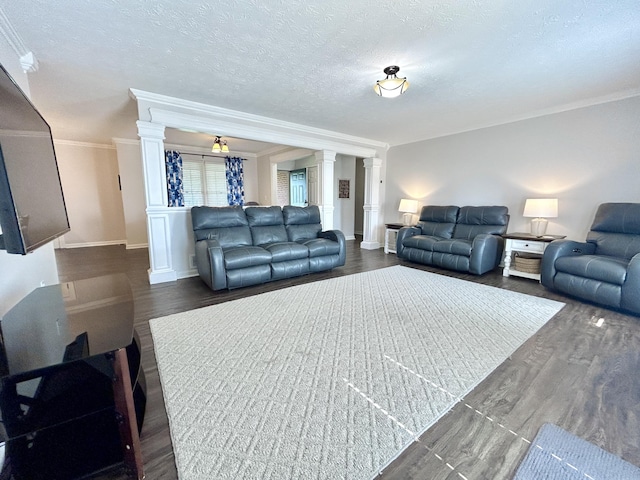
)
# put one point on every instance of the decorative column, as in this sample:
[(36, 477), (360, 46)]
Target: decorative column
[(371, 227), (326, 160), (155, 183)]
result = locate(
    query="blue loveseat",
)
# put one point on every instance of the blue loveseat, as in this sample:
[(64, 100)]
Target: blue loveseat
[(466, 239), (606, 268), (237, 247)]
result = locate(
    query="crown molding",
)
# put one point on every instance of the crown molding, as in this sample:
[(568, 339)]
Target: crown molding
[(11, 35), (73, 143), (28, 60), (567, 107), (198, 116)]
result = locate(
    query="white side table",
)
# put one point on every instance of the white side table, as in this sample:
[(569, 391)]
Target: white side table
[(390, 236), (524, 243)]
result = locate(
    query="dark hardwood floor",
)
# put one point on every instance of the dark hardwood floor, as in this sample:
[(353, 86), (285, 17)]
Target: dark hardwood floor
[(572, 373)]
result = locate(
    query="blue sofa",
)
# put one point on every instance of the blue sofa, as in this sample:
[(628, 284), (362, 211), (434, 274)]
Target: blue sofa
[(237, 247), (466, 239), (606, 268)]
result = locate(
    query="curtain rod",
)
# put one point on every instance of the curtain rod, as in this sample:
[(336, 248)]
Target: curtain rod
[(207, 155)]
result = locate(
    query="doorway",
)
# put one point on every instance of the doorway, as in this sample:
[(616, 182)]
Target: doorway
[(298, 187)]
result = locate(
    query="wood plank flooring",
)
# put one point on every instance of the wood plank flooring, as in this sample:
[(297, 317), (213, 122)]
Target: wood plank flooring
[(571, 373)]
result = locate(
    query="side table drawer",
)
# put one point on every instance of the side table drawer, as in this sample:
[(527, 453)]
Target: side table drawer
[(527, 246)]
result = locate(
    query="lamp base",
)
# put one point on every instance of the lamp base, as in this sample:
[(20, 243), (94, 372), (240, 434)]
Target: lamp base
[(407, 219), (539, 227)]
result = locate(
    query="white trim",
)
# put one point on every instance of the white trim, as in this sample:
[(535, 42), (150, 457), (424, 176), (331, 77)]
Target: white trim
[(73, 143), (350, 237), (222, 114), (126, 141), (161, 276), (295, 137), (93, 244), (192, 272), (12, 36), (567, 107), (370, 245), (133, 246)]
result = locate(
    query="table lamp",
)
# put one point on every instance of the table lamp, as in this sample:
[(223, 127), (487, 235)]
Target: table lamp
[(408, 208), (540, 209)]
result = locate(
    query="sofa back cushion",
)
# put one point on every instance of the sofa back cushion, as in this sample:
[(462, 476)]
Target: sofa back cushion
[(228, 225), (438, 221), (616, 230), (302, 223), (267, 225), (473, 221)]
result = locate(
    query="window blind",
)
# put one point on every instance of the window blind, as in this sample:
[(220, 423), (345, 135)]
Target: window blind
[(204, 182)]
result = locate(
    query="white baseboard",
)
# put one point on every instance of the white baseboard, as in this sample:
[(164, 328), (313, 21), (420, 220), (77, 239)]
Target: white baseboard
[(370, 245), (350, 237), (93, 244), (131, 246)]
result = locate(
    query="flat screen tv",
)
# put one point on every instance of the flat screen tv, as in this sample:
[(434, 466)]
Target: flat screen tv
[(32, 208)]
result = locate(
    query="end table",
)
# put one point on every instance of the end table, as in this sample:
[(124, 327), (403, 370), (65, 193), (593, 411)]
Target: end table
[(390, 236), (519, 242)]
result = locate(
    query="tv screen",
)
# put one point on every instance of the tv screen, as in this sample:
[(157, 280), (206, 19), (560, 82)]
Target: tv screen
[(32, 208)]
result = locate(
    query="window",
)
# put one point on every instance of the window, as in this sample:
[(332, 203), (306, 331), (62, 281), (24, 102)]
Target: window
[(205, 183)]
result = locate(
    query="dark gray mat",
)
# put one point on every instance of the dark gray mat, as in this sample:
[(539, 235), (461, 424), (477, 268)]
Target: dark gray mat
[(558, 455)]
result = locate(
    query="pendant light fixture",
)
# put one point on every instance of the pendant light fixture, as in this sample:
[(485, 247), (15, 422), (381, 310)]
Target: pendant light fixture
[(392, 86), (220, 145)]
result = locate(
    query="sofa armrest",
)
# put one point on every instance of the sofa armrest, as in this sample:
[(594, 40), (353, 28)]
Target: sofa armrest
[(631, 287), (405, 232), (337, 236), (557, 249), (210, 263), (486, 252)]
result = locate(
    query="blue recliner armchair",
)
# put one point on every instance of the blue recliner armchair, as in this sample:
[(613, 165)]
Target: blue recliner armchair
[(606, 268)]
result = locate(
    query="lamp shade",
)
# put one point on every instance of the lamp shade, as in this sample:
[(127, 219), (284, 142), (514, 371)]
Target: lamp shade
[(541, 208), (392, 86), (408, 206)]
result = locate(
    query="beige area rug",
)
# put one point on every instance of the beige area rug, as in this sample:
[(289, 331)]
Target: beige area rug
[(331, 379)]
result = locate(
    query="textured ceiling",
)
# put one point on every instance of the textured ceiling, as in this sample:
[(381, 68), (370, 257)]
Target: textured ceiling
[(470, 63)]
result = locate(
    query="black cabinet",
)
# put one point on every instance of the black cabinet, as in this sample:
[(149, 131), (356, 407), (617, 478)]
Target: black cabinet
[(72, 390)]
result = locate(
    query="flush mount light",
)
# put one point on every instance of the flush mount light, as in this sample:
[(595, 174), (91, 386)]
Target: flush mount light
[(392, 86), (219, 145)]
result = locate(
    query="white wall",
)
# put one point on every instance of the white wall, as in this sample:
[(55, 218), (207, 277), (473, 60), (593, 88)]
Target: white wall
[(133, 200), (344, 212), (22, 274), (583, 157), (89, 176)]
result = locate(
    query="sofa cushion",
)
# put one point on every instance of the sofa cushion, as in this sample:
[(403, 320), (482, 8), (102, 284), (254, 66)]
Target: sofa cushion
[(261, 216), (622, 245), (267, 225), (319, 247), (302, 233), (455, 246), (228, 225), (472, 221), (283, 251), (438, 221), (618, 218), (596, 267), (423, 242), (301, 215), (245, 256), (268, 234)]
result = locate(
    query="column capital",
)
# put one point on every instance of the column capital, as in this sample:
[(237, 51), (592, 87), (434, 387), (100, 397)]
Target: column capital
[(325, 156), (150, 130), (372, 162)]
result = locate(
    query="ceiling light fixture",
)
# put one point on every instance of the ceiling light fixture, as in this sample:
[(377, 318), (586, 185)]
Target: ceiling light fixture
[(219, 145), (392, 86)]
